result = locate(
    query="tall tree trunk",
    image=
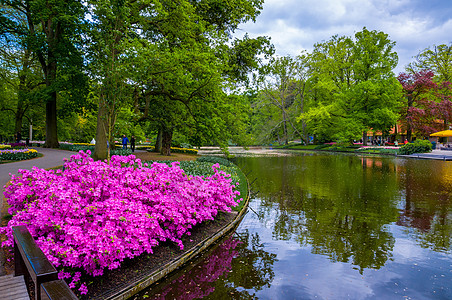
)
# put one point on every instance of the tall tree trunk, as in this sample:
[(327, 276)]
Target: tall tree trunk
[(158, 142), (364, 138), (110, 135), (100, 150), (19, 117), (409, 132), (286, 137), (167, 136), (50, 69), (136, 95), (21, 96), (408, 114), (305, 135), (51, 122), (51, 104)]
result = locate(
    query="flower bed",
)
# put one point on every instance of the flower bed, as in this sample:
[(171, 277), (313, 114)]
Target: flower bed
[(175, 150), (93, 215), (18, 154)]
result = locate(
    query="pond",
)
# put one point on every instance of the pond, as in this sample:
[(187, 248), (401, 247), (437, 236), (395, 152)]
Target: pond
[(332, 226)]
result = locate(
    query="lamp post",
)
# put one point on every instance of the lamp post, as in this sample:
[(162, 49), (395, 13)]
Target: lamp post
[(30, 134)]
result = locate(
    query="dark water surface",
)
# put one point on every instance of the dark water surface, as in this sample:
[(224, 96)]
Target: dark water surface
[(332, 226)]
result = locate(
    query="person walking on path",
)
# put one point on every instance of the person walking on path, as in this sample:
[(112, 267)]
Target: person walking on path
[(125, 140), (132, 143)]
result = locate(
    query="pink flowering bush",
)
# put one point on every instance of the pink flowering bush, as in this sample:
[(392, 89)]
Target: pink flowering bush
[(93, 215)]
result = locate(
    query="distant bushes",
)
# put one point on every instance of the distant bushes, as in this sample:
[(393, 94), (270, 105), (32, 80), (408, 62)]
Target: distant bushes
[(216, 159), (419, 146), (203, 167), (77, 147)]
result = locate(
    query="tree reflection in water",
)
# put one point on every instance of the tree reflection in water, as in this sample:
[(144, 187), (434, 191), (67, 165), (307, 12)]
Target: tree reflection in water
[(338, 206), (213, 278)]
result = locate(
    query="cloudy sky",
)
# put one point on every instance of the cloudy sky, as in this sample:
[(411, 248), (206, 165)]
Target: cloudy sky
[(414, 25)]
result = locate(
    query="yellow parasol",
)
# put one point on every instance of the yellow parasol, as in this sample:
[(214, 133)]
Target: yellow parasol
[(444, 133)]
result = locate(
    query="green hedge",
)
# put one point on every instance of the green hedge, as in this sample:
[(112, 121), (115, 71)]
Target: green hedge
[(323, 146), (215, 160), (202, 167), (419, 146), (121, 152), (77, 148)]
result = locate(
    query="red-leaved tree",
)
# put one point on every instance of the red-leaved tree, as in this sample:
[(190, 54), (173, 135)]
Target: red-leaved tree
[(427, 107)]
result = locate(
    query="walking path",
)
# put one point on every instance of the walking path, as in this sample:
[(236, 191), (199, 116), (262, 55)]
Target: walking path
[(435, 154), (52, 158)]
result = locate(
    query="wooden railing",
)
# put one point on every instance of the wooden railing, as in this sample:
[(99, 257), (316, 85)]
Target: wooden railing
[(30, 261)]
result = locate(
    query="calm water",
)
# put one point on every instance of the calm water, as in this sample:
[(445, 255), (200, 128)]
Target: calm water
[(332, 226)]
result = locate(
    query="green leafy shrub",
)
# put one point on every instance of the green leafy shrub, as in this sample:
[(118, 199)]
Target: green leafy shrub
[(389, 151), (204, 168), (215, 160), (77, 147), (323, 146), (121, 152), (377, 150), (186, 146), (419, 146)]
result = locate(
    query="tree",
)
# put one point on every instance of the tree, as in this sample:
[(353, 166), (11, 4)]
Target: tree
[(190, 67), (110, 28), (355, 89), (282, 84), (50, 32), (437, 59), (20, 72), (415, 86), (426, 103)]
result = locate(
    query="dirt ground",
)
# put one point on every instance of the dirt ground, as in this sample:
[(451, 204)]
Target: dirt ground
[(146, 156)]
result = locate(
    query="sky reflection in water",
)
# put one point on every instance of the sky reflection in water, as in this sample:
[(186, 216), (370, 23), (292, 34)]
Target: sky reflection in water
[(328, 226)]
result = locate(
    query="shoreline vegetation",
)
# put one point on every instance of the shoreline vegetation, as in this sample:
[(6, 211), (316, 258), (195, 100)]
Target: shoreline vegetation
[(133, 270), (418, 146)]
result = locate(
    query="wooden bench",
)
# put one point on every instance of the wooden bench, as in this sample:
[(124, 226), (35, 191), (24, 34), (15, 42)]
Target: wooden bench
[(30, 261)]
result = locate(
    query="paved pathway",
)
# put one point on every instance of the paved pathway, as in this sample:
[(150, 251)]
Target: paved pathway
[(52, 158), (435, 154)]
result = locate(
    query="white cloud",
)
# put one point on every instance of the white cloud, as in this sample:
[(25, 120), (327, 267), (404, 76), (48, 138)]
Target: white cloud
[(295, 25)]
